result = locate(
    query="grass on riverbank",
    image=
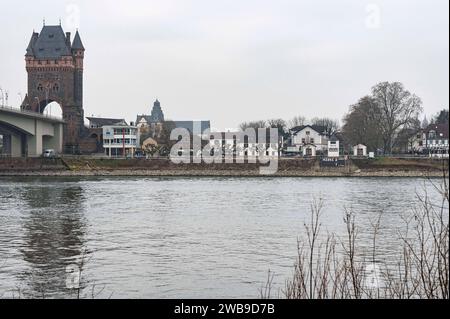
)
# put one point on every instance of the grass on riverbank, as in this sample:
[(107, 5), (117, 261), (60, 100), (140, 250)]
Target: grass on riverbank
[(392, 163)]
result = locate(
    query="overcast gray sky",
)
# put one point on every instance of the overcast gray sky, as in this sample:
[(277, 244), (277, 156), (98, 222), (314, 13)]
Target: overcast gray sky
[(233, 61)]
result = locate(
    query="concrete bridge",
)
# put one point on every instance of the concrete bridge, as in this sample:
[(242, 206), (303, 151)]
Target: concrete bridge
[(27, 133)]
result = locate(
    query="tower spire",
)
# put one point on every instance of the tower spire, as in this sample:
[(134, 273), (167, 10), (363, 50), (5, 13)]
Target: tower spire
[(77, 44)]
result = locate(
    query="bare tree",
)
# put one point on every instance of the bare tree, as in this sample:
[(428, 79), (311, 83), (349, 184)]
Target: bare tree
[(360, 125), (398, 108), (253, 124), (164, 137), (279, 124), (441, 117), (296, 121), (331, 126)]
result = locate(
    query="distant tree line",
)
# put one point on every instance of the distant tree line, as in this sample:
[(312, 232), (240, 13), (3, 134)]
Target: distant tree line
[(383, 120), (331, 126)]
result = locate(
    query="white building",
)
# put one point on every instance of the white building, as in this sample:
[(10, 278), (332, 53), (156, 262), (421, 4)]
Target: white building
[(360, 150), (120, 140), (240, 145), (436, 140), (302, 136), (433, 140), (334, 146)]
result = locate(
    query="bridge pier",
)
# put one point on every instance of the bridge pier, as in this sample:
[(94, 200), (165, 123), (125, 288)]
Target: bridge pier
[(16, 146)]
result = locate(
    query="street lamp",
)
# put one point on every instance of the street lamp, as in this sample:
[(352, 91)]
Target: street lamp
[(21, 99), (39, 103), (3, 97)]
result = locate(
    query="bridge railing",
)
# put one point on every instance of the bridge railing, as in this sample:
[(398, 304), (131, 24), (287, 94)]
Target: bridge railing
[(20, 111)]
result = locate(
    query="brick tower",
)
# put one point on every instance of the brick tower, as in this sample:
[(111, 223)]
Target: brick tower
[(55, 74)]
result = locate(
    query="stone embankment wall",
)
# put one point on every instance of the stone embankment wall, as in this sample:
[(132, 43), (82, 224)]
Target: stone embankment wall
[(85, 166)]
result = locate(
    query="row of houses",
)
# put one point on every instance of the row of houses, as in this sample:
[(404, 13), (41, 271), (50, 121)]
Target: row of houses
[(117, 138), (120, 139), (304, 141), (313, 140)]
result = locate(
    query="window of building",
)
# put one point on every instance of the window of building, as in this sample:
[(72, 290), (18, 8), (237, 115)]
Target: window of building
[(40, 87), (312, 141)]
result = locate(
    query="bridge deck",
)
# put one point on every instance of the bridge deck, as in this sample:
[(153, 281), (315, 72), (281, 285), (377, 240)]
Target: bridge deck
[(30, 114)]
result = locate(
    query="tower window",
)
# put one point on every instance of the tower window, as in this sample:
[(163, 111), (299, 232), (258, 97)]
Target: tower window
[(40, 87), (55, 87)]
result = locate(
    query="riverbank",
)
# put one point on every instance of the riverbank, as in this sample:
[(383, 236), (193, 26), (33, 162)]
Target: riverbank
[(383, 167), (146, 173)]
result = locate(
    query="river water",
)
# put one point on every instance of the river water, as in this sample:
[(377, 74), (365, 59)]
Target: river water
[(178, 237)]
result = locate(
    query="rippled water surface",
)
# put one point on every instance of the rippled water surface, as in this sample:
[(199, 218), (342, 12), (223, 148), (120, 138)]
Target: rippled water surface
[(177, 237)]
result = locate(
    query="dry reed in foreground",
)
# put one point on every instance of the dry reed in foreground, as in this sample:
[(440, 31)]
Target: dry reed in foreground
[(329, 267)]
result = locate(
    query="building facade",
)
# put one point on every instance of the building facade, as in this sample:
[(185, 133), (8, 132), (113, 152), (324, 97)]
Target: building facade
[(436, 140), (432, 141), (334, 146), (156, 116), (238, 144), (306, 136), (360, 150), (120, 140)]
